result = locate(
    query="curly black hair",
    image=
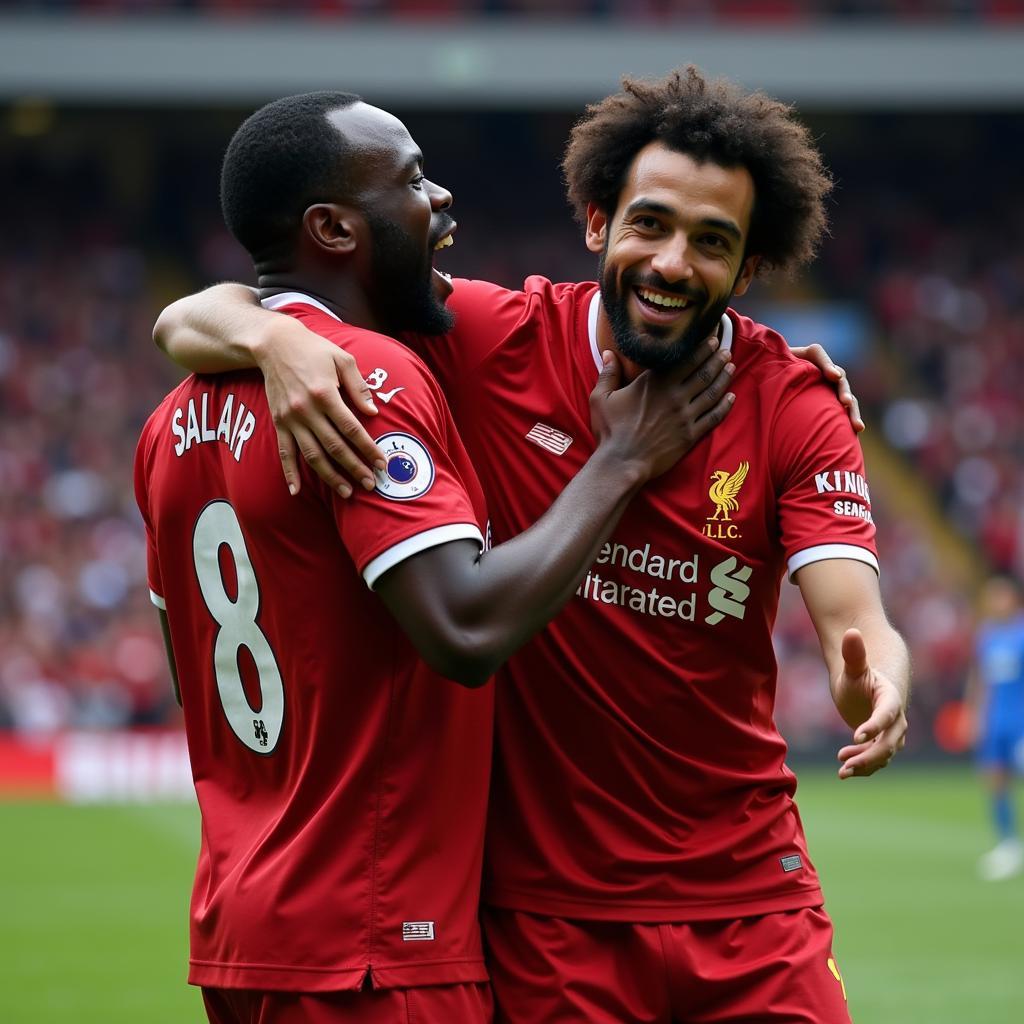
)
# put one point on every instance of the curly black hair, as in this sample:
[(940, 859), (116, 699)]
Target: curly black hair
[(710, 120), (284, 158)]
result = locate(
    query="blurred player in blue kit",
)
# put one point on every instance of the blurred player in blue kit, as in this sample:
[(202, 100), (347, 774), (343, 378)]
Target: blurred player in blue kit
[(995, 693)]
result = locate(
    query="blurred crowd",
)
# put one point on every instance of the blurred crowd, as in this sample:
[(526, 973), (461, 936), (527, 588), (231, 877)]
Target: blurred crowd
[(941, 267), (77, 638), (784, 12), (80, 288)]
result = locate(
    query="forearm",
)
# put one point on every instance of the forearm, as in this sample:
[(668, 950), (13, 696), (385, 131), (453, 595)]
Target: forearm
[(522, 584), (482, 609), (467, 614), (214, 331), (842, 595)]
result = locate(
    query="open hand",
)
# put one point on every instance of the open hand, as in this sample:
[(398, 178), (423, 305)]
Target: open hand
[(308, 380), (883, 733)]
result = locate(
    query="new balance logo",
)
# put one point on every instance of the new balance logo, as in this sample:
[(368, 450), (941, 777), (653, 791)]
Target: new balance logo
[(549, 439), (417, 931)]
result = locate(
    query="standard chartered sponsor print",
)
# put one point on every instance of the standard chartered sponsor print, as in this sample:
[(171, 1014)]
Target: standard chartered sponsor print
[(663, 599)]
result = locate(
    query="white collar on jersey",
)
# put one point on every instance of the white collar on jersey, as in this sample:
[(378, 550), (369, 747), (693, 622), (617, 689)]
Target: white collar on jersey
[(595, 304), (293, 298)]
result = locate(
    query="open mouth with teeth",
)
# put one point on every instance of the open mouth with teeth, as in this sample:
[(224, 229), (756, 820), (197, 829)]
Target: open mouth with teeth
[(660, 303), (445, 280), (442, 281)]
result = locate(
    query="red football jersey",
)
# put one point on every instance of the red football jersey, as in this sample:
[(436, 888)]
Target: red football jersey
[(343, 785), (639, 774)]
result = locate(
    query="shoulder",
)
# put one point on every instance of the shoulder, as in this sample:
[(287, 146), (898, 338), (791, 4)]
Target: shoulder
[(372, 351), (778, 372), (158, 419), (153, 449), (770, 355)]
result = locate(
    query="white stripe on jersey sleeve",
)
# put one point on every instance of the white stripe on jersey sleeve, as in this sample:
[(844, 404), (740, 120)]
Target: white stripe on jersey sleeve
[(157, 600), (824, 551), (417, 543)]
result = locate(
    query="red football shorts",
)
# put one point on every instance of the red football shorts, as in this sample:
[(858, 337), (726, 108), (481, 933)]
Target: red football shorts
[(754, 970), (429, 1004)]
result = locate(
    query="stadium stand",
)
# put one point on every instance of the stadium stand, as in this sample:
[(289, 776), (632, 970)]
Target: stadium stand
[(933, 260)]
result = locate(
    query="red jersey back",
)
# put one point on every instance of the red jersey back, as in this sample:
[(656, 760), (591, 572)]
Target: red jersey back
[(342, 784), (639, 773)]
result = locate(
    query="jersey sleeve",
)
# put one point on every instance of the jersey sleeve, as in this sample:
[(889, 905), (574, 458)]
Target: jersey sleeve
[(824, 505), (485, 314), (423, 496), (141, 473)]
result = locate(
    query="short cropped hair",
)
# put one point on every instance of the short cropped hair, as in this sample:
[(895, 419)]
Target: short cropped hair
[(283, 159), (710, 120)]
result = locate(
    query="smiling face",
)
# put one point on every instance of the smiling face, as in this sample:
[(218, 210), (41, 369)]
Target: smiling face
[(407, 221), (672, 254)]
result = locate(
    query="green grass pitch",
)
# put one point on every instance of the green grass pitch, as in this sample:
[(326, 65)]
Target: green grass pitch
[(93, 921)]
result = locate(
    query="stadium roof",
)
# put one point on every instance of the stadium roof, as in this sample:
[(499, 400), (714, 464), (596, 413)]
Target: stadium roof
[(498, 64)]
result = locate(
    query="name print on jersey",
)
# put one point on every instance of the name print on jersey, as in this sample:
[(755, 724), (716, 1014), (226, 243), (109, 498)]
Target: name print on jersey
[(726, 597), (234, 426), (843, 481)]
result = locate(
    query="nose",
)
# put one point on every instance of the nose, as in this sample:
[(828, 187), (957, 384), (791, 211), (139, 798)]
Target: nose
[(440, 197), (672, 260)]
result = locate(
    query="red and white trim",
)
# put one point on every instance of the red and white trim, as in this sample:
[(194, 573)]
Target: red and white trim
[(821, 552), (296, 299), (417, 543)]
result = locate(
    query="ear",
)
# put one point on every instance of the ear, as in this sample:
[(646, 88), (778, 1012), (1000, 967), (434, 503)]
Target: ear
[(746, 275), (331, 226), (597, 228)]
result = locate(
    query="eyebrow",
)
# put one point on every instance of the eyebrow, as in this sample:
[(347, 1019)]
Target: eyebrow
[(728, 226), (414, 162), (638, 205)]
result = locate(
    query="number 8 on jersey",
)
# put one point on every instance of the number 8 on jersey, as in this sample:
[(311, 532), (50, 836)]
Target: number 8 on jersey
[(260, 731)]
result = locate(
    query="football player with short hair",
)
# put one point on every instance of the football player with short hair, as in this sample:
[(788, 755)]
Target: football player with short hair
[(342, 779)]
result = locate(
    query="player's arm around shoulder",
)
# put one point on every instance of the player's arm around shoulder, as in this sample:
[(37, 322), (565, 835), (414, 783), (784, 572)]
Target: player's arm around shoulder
[(224, 328), (868, 661)]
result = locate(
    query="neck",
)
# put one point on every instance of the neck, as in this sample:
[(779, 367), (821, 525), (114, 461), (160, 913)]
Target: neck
[(340, 295), (606, 341)]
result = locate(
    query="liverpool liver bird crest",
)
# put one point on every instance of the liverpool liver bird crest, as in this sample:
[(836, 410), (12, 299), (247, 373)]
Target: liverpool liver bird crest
[(724, 489)]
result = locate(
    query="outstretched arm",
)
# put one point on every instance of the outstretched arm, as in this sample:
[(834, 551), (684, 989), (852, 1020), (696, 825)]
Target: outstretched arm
[(868, 662), (467, 611), (224, 328)]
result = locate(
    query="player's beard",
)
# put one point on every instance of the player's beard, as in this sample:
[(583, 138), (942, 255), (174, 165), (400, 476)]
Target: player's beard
[(654, 347), (402, 290)]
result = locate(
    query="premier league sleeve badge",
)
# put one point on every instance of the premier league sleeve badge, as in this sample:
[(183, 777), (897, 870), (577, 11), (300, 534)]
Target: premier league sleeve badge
[(409, 472)]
